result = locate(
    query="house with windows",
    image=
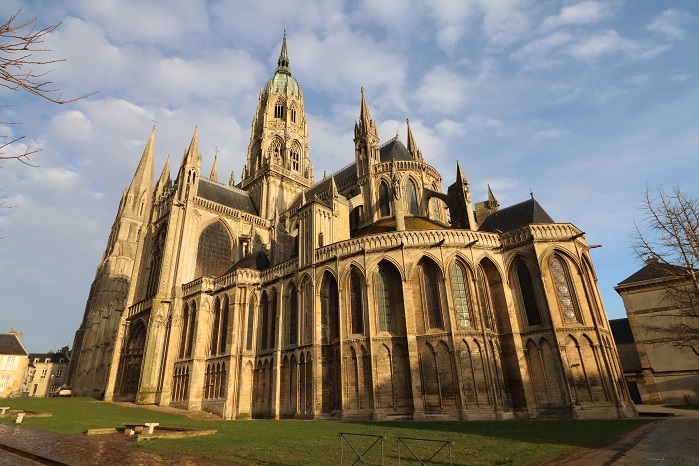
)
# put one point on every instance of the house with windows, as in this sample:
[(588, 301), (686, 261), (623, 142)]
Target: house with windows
[(370, 294), (13, 365), (50, 371)]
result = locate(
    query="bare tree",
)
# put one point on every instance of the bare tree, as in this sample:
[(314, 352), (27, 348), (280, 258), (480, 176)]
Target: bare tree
[(667, 238), (24, 66)]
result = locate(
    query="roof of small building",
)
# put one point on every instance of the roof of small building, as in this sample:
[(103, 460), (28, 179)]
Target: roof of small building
[(225, 195), (10, 344), (621, 330), (54, 358), (516, 216), (654, 270)]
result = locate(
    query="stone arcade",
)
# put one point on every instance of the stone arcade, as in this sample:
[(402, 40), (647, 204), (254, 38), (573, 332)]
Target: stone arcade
[(371, 294)]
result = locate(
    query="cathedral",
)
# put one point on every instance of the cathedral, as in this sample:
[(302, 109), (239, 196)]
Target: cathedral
[(371, 294)]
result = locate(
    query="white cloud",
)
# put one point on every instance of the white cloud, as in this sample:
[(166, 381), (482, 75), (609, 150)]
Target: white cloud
[(670, 24), (581, 13), (609, 42), (547, 134), (542, 52), (443, 90)]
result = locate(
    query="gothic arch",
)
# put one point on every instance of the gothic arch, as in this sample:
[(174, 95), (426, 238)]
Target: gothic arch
[(388, 291), (412, 200), (132, 359), (461, 280), (525, 290), (384, 198), (428, 295), (329, 309), (356, 284), (213, 250)]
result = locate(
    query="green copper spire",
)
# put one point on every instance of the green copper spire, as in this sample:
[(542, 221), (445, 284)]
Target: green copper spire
[(283, 62)]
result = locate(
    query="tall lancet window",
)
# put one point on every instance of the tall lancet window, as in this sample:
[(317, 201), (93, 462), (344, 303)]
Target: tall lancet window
[(279, 109), (411, 197), (459, 284), (293, 315), (431, 293), (384, 200), (356, 302), (526, 289), (564, 290)]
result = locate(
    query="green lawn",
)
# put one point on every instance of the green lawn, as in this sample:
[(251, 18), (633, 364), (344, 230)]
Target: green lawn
[(317, 442)]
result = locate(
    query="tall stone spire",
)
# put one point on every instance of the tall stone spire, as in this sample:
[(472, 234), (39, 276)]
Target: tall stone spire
[(192, 153), (493, 203), (365, 124), (143, 178), (459, 200), (164, 179), (412, 146), (283, 61), (214, 172)]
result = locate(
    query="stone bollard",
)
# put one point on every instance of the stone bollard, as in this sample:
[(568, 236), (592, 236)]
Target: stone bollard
[(3, 409), (20, 416)]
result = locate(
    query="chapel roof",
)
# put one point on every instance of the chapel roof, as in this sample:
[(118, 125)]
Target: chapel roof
[(394, 149), (654, 270), (225, 195), (9, 344), (516, 216)]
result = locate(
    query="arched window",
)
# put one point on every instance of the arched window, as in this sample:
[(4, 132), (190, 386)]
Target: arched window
[(293, 114), (526, 289), (329, 309), (307, 311), (432, 309), (264, 310), (156, 262), (190, 330), (185, 325), (356, 302), (293, 315), (383, 294), (384, 200), (224, 325), (213, 252), (251, 324), (215, 328), (459, 283), (411, 197), (295, 158), (435, 203), (279, 109), (564, 290)]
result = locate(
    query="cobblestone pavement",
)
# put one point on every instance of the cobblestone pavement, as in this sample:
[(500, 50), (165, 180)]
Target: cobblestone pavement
[(670, 441), (75, 450)]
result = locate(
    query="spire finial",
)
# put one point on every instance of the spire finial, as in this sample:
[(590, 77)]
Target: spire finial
[(283, 62)]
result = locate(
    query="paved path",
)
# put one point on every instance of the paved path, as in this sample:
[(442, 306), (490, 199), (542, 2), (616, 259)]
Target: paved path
[(74, 450)]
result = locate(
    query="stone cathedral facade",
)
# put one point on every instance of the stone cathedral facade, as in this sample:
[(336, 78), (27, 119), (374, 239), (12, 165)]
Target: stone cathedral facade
[(371, 294)]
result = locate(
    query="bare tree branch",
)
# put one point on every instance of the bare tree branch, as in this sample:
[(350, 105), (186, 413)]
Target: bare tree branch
[(23, 67), (667, 238)]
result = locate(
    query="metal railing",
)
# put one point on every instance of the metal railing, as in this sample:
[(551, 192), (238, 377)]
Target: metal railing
[(424, 462), (344, 438)]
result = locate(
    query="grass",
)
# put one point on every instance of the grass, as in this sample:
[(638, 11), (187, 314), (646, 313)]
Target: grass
[(317, 442), (694, 406)]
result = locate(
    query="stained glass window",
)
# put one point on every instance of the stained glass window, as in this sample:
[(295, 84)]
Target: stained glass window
[(561, 280), (460, 288)]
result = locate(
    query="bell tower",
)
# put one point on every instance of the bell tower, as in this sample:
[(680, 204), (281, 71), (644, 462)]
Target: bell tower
[(278, 167)]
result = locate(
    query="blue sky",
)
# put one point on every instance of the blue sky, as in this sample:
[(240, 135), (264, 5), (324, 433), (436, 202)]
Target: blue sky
[(585, 103)]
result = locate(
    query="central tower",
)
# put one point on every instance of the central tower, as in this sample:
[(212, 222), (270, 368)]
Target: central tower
[(278, 167)]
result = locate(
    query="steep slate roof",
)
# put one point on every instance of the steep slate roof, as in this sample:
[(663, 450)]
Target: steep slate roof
[(225, 195), (394, 149), (653, 271), (516, 216), (9, 344), (621, 330), (253, 261)]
